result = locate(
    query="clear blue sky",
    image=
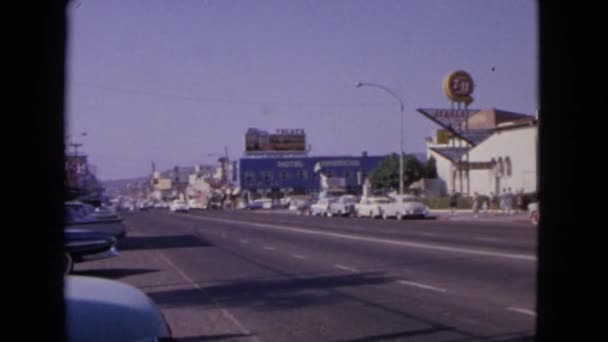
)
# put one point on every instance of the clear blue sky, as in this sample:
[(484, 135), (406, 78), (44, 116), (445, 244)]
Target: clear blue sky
[(173, 81)]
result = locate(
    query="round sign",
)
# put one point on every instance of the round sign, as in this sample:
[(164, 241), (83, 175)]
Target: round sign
[(458, 86)]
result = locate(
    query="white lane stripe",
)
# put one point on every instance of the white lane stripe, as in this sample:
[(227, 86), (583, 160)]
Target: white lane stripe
[(422, 286), (470, 251), (522, 311), (244, 241), (346, 268), (270, 248), (243, 330), (298, 256)]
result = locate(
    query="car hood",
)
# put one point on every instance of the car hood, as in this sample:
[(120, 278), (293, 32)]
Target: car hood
[(106, 310)]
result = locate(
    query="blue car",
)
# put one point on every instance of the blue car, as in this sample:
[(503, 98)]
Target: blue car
[(106, 310), (82, 245)]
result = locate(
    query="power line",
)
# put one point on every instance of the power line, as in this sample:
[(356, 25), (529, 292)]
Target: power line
[(140, 92)]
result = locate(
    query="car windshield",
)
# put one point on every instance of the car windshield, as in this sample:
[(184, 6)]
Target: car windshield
[(283, 139)]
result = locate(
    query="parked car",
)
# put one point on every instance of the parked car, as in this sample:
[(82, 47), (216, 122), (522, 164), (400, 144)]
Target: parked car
[(321, 207), (99, 309), (534, 213), (79, 215), (179, 206), (86, 245), (404, 206), (371, 206), (254, 205), (301, 206), (342, 206)]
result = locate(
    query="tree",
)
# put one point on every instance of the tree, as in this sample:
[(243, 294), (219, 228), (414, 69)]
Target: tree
[(386, 175), (430, 168)]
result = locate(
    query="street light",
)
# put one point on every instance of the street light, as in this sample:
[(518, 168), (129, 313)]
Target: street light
[(392, 93)]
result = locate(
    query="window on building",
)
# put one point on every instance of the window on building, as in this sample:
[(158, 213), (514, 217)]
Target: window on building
[(501, 167), (284, 175), (347, 174), (249, 177), (267, 175), (508, 166), (301, 174)]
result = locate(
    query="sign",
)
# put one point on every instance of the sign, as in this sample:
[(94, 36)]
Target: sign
[(290, 164), (476, 165), (76, 169), (339, 162), (283, 141), (452, 120), (442, 136), (458, 86), (290, 131)]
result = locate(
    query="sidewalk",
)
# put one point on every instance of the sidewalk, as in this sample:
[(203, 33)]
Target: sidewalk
[(491, 216)]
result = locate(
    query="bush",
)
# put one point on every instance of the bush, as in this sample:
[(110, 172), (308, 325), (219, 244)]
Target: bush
[(444, 202)]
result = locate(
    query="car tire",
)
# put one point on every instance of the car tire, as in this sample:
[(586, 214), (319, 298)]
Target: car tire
[(68, 263)]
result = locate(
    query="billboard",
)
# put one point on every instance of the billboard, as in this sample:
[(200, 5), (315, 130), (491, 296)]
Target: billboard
[(76, 169), (282, 141)]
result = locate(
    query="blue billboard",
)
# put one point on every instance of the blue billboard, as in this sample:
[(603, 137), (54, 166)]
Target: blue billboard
[(297, 175)]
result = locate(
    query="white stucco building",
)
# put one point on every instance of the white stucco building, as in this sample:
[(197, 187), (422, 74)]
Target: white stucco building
[(498, 151)]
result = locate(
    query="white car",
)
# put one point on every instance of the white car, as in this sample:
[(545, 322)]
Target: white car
[(321, 207), (343, 206), (179, 206), (371, 206), (404, 206)]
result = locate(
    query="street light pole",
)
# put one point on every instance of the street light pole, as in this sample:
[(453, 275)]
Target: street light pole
[(401, 109)]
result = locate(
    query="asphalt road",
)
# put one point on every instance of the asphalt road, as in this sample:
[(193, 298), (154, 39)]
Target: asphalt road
[(228, 275)]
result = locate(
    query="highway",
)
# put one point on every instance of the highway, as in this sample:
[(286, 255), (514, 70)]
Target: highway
[(247, 276)]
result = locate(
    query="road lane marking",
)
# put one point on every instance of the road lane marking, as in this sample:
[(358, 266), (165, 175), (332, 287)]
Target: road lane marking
[(461, 250), (346, 268), (269, 248), (225, 313), (423, 286), (522, 311), (486, 239), (244, 241), (298, 256)]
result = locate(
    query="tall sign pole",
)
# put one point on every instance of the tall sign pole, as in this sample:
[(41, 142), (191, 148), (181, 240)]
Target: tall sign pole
[(458, 86)]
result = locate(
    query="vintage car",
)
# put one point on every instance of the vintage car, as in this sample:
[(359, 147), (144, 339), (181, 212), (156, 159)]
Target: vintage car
[(404, 206), (85, 245), (321, 207), (343, 206), (107, 310), (371, 206)]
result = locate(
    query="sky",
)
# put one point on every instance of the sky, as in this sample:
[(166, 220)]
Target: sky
[(177, 82)]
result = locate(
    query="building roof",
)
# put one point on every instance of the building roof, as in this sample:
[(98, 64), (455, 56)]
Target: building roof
[(475, 137), (453, 154), (491, 118)]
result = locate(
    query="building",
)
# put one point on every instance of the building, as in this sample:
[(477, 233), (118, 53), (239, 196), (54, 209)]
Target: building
[(496, 150), (281, 176)]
